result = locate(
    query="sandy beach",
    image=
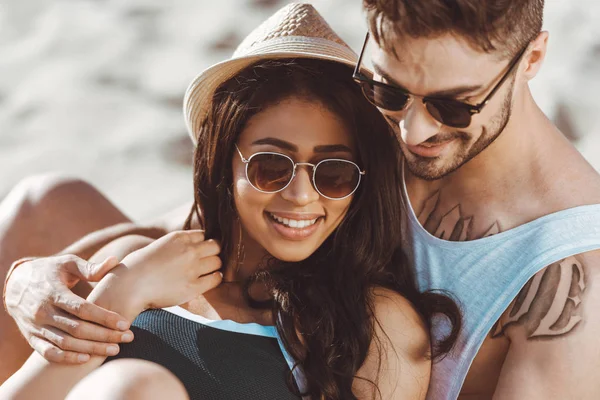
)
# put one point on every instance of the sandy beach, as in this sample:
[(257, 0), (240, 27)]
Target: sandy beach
[(94, 88)]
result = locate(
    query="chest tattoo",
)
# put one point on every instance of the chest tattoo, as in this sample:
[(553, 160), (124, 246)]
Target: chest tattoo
[(453, 225), (549, 304)]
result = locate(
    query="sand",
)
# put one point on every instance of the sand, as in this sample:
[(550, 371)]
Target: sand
[(94, 88)]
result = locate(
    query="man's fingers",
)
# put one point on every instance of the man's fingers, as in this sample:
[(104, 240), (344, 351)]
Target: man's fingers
[(53, 354), (87, 311), (95, 272), (88, 331), (67, 343), (87, 270)]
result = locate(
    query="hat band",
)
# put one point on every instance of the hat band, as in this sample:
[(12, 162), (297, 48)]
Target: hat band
[(299, 44)]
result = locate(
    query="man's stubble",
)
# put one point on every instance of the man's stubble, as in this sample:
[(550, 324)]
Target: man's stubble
[(425, 168)]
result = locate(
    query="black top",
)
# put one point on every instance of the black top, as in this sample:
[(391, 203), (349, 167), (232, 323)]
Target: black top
[(211, 363)]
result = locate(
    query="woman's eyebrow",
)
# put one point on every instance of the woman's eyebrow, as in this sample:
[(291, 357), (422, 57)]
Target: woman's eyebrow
[(332, 148), (282, 144)]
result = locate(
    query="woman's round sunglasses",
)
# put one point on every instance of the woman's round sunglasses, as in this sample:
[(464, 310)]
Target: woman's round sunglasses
[(334, 179), (452, 113)]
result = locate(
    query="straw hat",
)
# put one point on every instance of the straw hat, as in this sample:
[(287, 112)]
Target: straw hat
[(295, 31)]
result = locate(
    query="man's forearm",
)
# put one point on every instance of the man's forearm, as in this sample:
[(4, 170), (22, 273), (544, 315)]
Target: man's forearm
[(39, 378), (91, 243)]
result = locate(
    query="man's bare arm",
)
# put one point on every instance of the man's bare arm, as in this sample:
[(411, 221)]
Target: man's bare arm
[(91, 243), (53, 314), (553, 327)]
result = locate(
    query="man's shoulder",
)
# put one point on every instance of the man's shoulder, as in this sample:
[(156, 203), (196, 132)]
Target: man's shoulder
[(569, 181), (553, 330), (555, 302)]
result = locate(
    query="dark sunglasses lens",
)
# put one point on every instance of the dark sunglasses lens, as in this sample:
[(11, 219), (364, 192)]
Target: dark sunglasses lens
[(450, 113), (336, 178), (270, 172), (384, 97)]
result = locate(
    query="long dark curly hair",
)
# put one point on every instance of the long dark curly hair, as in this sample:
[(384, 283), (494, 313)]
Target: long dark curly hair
[(322, 306)]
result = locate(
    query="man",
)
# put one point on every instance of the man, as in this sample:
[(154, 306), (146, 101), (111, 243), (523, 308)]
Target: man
[(499, 169), (485, 167)]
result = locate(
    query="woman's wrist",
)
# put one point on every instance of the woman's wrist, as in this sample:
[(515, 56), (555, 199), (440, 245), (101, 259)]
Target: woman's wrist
[(117, 292)]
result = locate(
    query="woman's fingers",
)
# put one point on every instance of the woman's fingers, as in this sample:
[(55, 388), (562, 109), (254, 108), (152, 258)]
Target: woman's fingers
[(69, 344), (86, 330), (208, 282), (207, 248), (53, 354), (207, 265), (87, 311)]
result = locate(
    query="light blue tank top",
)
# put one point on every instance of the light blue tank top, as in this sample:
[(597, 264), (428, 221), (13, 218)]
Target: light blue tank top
[(485, 275)]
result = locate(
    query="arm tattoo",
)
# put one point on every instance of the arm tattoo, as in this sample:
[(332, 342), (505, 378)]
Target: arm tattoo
[(453, 225), (549, 304)]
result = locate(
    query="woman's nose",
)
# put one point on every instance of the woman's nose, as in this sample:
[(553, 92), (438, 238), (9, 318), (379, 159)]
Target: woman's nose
[(301, 191)]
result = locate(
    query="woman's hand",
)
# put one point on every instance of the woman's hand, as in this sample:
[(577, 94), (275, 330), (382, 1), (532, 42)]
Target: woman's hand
[(172, 270), (58, 324)]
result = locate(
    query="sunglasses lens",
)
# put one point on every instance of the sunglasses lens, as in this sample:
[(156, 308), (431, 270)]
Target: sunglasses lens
[(450, 113), (270, 172), (384, 97), (337, 179)]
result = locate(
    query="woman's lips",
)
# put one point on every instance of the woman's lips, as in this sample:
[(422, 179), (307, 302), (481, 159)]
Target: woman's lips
[(290, 233), (429, 151)]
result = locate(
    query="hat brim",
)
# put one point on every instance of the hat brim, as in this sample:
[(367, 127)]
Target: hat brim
[(200, 93)]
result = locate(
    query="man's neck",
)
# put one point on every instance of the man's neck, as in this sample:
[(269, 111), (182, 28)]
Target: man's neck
[(510, 166), (506, 185)]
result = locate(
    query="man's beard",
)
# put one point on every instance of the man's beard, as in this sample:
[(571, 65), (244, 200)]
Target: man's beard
[(426, 168)]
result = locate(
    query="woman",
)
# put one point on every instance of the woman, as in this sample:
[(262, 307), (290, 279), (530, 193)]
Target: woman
[(295, 175)]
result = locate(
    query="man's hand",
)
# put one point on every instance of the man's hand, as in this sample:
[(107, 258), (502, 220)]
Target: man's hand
[(58, 324)]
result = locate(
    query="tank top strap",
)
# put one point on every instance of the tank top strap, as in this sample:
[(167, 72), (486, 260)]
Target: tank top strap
[(486, 275)]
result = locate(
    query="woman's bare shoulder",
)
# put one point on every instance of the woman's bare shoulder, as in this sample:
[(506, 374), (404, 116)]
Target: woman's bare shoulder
[(400, 323), (398, 365)]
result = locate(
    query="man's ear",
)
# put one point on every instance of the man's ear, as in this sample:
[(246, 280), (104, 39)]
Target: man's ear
[(536, 55)]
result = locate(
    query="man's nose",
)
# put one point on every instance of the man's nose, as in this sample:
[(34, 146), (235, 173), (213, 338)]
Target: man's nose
[(301, 191), (417, 125)]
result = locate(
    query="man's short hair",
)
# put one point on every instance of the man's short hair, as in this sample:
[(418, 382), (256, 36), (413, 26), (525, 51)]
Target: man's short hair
[(504, 26)]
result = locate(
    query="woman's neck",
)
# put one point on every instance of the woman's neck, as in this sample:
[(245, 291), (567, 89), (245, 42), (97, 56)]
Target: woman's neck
[(246, 258), (230, 300)]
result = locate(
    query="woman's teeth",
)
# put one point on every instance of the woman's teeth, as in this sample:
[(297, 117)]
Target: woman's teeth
[(293, 223)]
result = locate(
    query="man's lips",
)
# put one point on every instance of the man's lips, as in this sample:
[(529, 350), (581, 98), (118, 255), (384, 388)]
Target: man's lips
[(429, 150)]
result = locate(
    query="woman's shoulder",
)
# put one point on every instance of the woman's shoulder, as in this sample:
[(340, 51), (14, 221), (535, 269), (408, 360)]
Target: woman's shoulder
[(400, 322), (399, 356)]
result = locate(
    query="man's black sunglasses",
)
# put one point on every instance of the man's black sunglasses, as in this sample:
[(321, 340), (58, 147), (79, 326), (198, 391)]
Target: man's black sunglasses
[(449, 112)]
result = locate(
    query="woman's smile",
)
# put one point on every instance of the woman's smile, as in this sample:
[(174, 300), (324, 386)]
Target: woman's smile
[(294, 226)]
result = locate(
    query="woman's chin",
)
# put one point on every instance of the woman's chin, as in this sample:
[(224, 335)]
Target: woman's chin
[(287, 254)]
